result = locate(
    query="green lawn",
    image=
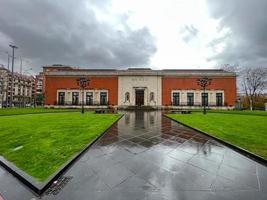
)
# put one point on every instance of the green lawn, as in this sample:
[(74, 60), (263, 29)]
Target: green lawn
[(48, 140), (16, 111), (239, 112), (248, 131)]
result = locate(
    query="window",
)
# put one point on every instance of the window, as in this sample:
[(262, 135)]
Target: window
[(176, 98), (219, 99), (151, 96), (127, 96), (89, 98), (190, 98), (75, 98), (61, 98), (205, 99), (103, 98)]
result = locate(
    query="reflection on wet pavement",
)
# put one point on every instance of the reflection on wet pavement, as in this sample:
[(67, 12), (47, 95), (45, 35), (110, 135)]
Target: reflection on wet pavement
[(148, 156)]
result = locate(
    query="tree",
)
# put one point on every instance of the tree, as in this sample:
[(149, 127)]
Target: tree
[(234, 69), (39, 99), (231, 68), (254, 81), (259, 101)]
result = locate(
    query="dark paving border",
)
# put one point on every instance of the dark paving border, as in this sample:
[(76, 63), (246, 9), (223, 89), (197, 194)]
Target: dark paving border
[(240, 150), (40, 187)]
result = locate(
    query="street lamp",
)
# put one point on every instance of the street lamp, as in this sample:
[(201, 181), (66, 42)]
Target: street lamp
[(203, 83), (82, 83), (8, 56), (12, 74)]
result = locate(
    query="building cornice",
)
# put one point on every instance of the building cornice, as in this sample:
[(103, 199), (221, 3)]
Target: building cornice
[(69, 71), (132, 73)]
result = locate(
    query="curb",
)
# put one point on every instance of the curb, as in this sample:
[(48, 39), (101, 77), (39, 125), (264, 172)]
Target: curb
[(40, 187), (33, 113), (238, 149)]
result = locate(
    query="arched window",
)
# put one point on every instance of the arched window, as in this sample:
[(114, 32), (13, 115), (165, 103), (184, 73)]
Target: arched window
[(151, 97), (127, 96)]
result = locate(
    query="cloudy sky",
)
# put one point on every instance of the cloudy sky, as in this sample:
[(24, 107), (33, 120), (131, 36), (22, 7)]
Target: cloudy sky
[(134, 33)]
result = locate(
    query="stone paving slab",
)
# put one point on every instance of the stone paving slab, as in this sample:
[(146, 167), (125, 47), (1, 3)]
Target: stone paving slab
[(148, 156)]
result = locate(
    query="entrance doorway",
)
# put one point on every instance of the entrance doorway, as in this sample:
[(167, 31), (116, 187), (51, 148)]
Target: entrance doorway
[(139, 97)]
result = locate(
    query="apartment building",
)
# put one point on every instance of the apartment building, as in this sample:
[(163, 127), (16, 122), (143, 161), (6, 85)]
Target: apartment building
[(23, 89)]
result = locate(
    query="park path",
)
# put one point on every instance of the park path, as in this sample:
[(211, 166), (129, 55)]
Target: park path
[(146, 156)]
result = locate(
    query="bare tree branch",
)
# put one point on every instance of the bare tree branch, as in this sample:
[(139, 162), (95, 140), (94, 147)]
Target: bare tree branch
[(254, 81)]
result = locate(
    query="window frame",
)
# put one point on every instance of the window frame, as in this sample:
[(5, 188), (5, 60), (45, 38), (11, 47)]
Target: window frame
[(75, 101), (219, 95), (191, 102), (176, 98), (89, 98), (105, 102), (205, 96), (60, 102)]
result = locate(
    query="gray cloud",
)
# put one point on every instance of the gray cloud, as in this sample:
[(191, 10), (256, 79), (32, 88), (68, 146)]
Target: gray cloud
[(246, 42), (189, 32), (68, 32)]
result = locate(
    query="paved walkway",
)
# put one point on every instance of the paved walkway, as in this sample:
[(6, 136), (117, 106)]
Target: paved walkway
[(146, 156)]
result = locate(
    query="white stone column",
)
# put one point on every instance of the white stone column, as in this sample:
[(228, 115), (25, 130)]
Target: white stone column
[(68, 96), (183, 97), (197, 97), (211, 98), (132, 96), (145, 97), (96, 97)]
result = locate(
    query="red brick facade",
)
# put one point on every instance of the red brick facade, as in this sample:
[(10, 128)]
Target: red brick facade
[(115, 85), (52, 84), (228, 84)]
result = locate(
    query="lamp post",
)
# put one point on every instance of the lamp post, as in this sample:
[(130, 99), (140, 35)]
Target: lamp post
[(82, 83), (8, 56), (203, 83), (12, 74)]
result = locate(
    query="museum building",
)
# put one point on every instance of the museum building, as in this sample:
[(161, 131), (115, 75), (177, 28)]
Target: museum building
[(138, 87)]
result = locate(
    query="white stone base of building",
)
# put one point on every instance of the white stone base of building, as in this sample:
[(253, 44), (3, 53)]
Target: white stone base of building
[(158, 107), (77, 106)]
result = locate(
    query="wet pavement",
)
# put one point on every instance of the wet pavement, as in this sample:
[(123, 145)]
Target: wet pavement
[(146, 156)]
